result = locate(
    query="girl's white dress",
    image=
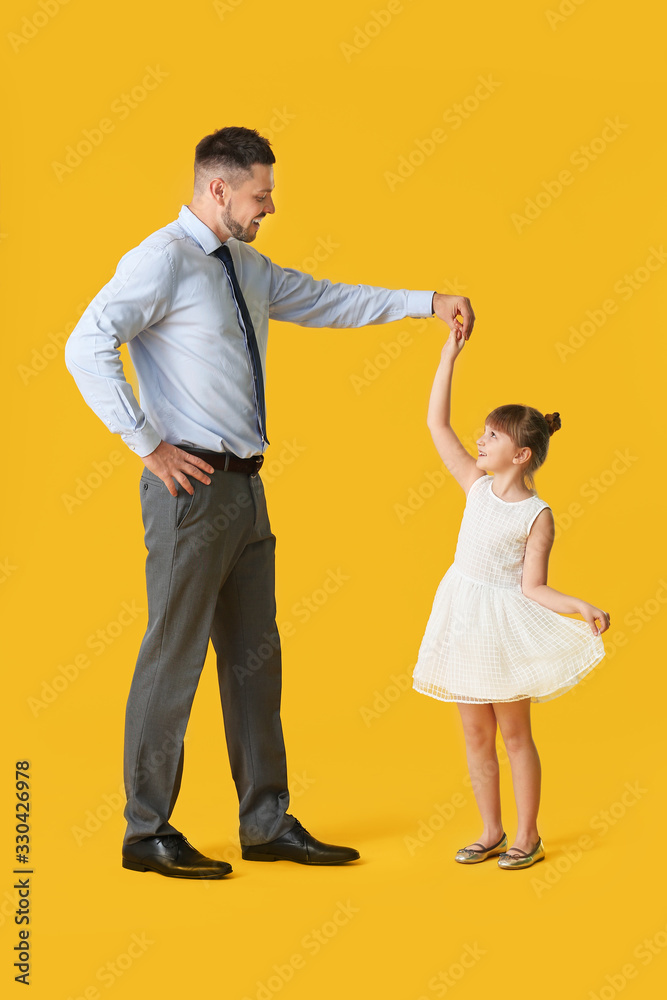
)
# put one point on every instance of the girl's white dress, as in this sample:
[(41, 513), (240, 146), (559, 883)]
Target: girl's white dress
[(485, 640)]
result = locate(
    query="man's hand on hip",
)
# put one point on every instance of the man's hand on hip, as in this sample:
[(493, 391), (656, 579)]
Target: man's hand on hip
[(169, 463), (449, 308)]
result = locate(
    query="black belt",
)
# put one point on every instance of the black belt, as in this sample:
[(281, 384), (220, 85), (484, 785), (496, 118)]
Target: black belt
[(230, 463)]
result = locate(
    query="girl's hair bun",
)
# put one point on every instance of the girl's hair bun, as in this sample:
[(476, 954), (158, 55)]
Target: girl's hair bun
[(553, 420)]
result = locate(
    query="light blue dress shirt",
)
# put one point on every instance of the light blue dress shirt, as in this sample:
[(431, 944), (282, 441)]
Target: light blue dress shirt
[(171, 303)]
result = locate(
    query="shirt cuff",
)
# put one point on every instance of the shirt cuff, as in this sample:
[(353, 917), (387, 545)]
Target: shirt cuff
[(142, 442), (420, 304)]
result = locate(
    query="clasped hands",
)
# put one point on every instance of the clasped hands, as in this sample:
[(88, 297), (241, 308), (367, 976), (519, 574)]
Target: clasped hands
[(456, 312)]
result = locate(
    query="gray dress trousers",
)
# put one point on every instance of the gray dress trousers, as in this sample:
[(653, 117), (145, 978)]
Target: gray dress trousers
[(210, 573)]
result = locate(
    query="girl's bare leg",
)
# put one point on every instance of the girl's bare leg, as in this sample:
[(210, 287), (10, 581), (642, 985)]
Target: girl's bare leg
[(479, 729), (514, 721)]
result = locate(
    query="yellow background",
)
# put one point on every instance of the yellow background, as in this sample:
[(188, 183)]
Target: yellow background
[(370, 761)]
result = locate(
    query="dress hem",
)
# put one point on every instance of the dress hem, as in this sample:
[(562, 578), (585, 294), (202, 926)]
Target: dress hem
[(431, 690)]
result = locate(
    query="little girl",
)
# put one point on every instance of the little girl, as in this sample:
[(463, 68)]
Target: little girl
[(496, 639)]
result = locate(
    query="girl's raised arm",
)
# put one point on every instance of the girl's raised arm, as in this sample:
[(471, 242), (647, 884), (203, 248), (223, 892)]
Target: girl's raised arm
[(462, 466)]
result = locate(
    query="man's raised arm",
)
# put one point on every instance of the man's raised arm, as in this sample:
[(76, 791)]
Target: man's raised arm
[(297, 297)]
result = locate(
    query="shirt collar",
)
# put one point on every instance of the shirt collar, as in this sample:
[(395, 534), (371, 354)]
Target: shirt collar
[(204, 236)]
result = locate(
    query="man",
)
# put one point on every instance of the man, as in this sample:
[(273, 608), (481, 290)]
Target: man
[(192, 302)]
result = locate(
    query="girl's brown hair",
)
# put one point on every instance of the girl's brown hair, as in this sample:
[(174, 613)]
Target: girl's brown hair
[(528, 428)]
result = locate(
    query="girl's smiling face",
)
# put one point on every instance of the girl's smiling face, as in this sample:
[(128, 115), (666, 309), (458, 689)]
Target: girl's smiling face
[(498, 452)]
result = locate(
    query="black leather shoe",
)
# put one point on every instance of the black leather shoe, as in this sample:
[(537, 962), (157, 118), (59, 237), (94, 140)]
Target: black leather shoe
[(298, 845), (173, 856)]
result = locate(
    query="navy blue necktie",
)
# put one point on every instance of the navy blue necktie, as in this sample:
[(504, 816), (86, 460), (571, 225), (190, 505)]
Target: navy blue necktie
[(223, 254)]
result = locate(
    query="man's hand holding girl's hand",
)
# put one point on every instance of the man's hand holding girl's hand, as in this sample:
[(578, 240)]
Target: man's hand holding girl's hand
[(455, 311)]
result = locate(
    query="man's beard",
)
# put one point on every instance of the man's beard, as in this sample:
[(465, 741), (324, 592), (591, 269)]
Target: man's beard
[(238, 231)]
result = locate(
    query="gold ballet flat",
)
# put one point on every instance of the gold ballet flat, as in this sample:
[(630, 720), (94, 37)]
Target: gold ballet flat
[(525, 860), (470, 856)]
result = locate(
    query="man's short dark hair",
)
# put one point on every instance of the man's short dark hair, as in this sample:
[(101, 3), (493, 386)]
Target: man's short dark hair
[(232, 152)]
